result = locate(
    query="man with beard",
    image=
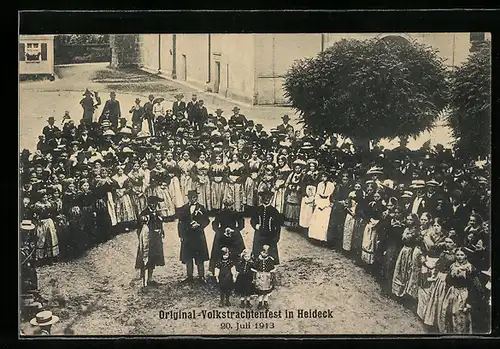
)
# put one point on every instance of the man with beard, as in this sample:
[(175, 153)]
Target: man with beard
[(227, 226), (267, 223), (193, 219)]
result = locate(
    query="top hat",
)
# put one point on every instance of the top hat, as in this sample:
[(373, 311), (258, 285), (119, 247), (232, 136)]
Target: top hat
[(192, 193), (27, 225), (51, 118), (113, 93), (266, 193), (235, 109), (44, 318), (153, 200), (285, 117)]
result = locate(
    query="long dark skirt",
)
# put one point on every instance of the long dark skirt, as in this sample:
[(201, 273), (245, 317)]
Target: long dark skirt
[(244, 285)]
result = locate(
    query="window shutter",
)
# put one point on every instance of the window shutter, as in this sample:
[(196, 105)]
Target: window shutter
[(21, 52), (44, 52)]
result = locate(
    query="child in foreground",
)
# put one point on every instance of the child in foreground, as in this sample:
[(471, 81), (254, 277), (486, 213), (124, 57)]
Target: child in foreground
[(225, 274), (264, 269)]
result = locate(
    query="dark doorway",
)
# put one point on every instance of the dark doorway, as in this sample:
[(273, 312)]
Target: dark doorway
[(217, 77)]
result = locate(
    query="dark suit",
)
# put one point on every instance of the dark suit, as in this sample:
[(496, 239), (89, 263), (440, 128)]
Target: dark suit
[(193, 243), (113, 111), (49, 132), (238, 120), (270, 221), (222, 120), (137, 115), (285, 128), (55, 142), (234, 241), (179, 107), (192, 110), (85, 143)]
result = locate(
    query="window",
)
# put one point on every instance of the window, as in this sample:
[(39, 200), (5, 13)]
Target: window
[(35, 52)]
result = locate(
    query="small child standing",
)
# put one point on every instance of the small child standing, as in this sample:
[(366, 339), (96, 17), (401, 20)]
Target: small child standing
[(225, 274), (264, 269), (244, 280)]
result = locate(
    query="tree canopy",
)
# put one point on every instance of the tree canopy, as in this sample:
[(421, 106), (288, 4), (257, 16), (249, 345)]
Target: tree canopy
[(470, 107), (369, 89)]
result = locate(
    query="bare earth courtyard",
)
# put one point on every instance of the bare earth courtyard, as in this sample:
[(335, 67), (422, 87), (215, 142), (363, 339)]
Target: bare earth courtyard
[(102, 290)]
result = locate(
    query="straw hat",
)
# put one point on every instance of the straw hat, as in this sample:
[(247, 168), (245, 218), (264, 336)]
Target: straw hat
[(407, 194), (44, 318), (108, 133), (418, 183), (432, 183), (27, 225), (299, 162), (374, 170)]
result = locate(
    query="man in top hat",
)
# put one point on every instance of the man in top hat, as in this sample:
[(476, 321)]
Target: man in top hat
[(137, 112), (267, 223), (44, 320), (285, 127), (89, 106), (192, 109), (112, 110), (237, 120), (220, 118), (179, 105), (150, 234), (49, 130), (193, 219)]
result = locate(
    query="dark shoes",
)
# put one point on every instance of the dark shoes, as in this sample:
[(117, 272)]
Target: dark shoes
[(266, 305), (221, 303), (248, 304), (202, 280), (187, 280), (228, 303), (153, 283), (259, 306)]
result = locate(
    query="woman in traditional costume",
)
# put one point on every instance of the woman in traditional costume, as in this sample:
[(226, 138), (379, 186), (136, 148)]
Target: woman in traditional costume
[(318, 229), (310, 182), (125, 213), (47, 244), (456, 310), (293, 194), (282, 173), (186, 180), (254, 165), (235, 183), (172, 172), (218, 176), (137, 195), (202, 181)]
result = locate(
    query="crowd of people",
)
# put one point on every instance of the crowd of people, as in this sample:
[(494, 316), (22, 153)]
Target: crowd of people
[(417, 220)]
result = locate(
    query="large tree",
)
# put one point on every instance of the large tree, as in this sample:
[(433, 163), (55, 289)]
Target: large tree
[(470, 110), (369, 89)]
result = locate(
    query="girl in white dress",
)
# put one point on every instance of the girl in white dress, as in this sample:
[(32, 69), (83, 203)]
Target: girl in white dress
[(318, 228)]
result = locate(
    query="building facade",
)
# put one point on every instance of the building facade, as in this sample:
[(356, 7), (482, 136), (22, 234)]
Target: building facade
[(251, 67), (36, 55)]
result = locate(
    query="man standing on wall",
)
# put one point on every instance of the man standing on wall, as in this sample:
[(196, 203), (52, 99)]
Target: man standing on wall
[(179, 105), (148, 113)]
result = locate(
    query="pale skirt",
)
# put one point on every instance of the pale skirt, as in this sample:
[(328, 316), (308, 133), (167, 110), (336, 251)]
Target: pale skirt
[(236, 192), (402, 271), (166, 208), (204, 197), (435, 302), (279, 200), (124, 209), (454, 318), (318, 228), (175, 192), (349, 225), (368, 244)]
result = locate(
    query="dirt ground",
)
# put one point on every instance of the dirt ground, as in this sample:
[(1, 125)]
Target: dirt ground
[(101, 290)]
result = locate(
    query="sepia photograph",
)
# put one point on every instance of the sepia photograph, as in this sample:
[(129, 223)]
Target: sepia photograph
[(262, 184)]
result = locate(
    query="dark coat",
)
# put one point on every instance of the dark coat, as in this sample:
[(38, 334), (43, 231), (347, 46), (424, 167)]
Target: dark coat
[(227, 219), (137, 114), (270, 221), (193, 243), (192, 110), (150, 249), (114, 110), (179, 107), (49, 132)]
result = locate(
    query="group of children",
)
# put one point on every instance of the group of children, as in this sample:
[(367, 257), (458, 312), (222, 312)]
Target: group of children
[(247, 276)]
